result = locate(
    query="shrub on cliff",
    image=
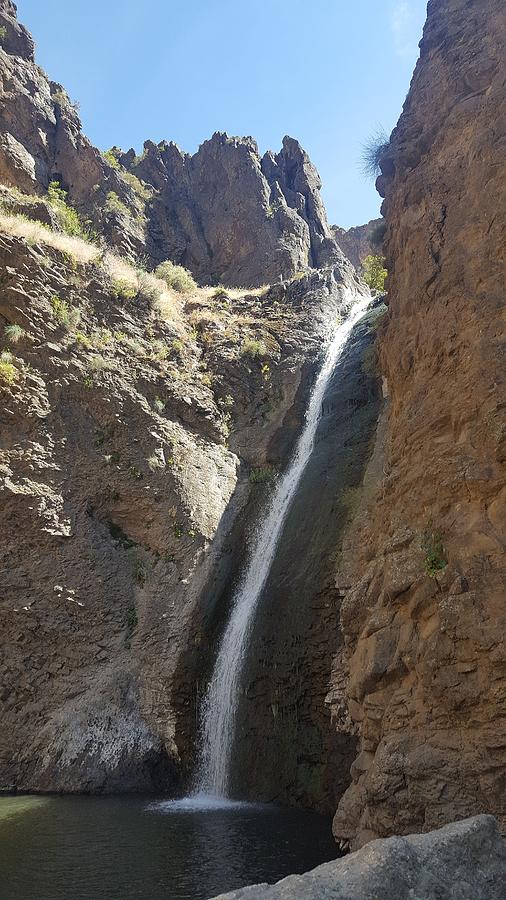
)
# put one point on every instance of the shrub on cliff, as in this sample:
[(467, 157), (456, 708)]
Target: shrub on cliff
[(372, 153), (68, 218), (375, 272), (176, 277)]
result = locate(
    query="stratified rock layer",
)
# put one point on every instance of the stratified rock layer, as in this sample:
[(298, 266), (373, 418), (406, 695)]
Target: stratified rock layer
[(464, 861), (423, 572)]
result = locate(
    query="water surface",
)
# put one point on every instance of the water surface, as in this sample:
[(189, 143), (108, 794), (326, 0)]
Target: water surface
[(133, 848)]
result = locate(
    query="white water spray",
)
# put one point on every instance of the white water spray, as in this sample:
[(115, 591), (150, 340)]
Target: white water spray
[(221, 702)]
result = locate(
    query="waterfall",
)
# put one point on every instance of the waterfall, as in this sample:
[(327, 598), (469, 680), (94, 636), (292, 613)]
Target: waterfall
[(221, 701)]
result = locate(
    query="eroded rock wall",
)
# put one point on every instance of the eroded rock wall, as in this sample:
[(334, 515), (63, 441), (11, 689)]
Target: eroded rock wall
[(423, 570), (225, 213)]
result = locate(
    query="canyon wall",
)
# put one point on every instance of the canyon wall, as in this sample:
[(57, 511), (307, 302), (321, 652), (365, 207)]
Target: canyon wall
[(360, 241), (140, 427), (422, 573)]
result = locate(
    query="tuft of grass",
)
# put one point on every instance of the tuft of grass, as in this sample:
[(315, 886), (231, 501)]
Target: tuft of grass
[(14, 333), (262, 475), (8, 371), (77, 248), (253, 348), (372, 152), (155, 462), (176, 277), (63, 313), (221, 294), (435, 555)]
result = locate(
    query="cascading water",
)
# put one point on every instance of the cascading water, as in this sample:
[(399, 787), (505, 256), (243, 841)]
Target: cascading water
[(220, 706)]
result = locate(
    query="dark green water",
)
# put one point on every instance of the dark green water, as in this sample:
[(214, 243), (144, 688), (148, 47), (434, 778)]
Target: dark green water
[(128, 848)]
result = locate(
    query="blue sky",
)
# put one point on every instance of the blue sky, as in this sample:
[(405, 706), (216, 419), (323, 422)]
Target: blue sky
[(328, 72)]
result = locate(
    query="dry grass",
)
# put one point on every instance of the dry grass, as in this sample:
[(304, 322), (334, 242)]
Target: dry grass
[(37, 233)]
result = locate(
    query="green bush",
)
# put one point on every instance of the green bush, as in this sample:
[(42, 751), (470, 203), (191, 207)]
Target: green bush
[(122, 290), (68, 218), (111, 156), (176, 277), (63, 313), (375, 272), (253, 348), (3, 32), (8, 372)]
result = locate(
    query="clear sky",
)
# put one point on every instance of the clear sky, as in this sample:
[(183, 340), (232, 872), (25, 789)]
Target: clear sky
[(327, 72)]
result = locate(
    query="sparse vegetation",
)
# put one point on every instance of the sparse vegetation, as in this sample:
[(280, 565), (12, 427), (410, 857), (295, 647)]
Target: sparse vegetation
[(3, 33), (155, 462), (375, 272), (68, 218), (122, 290), (8, 371), (435, 555), (63, 313), (111, 156), (115, 206), (176, 277), (253, 348), (62, 99), (262, 474), (33, 232), (221, 294), (373, 151), (143, 192), (13, 333)]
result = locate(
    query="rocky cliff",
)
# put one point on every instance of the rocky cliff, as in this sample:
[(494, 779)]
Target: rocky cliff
[(225, 213), (422, 573), (360, 241), (141, 426)]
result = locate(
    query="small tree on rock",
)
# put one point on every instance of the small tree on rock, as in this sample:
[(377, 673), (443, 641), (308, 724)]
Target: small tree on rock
[(375, 272)]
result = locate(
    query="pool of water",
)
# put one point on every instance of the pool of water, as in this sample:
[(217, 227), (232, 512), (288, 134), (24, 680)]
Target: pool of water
[(134, 848)]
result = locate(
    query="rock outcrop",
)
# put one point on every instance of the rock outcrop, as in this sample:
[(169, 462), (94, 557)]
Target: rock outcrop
[(422, 572), (360, 241), (225, 213), (233, 217), (465, 861)]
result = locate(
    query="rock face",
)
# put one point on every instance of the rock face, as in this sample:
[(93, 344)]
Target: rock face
[(231, 216), (225, 213), (423, 569), (360, 241), (465, 861), (123, 509)]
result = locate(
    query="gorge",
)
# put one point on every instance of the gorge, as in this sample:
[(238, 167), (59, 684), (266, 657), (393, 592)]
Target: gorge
[(253, 516)]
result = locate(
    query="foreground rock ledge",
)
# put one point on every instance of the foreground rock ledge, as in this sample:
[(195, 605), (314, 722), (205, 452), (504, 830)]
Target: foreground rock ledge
[(462, 861)]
